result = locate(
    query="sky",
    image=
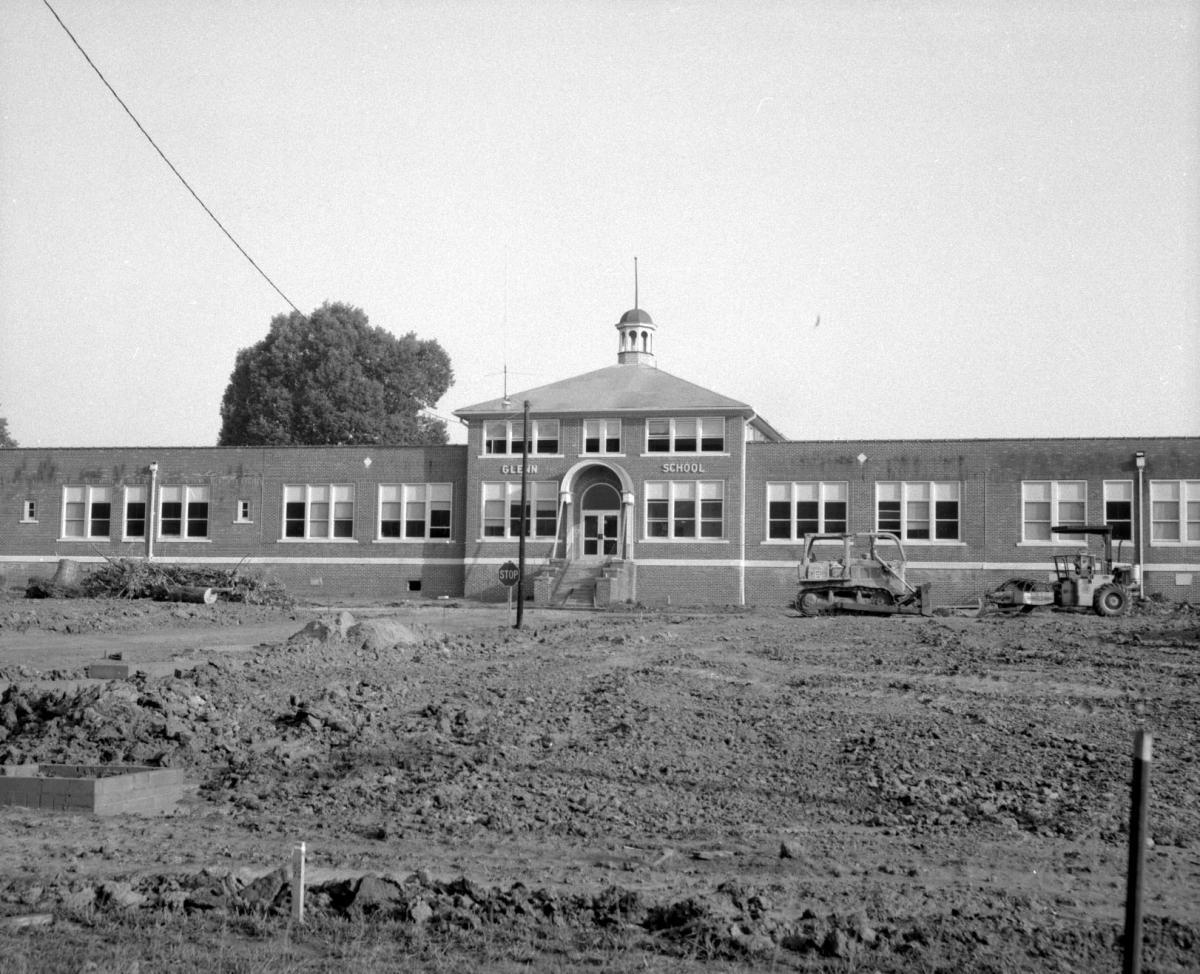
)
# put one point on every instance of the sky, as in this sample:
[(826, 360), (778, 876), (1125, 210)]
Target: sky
[(868, 220)]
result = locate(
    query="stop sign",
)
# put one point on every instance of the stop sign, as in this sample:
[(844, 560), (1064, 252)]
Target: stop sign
[(509, 573)]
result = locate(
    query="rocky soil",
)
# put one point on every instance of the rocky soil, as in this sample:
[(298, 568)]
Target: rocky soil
[(833, 793)]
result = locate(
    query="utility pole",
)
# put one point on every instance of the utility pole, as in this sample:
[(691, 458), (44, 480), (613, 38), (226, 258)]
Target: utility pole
[(524, 517)]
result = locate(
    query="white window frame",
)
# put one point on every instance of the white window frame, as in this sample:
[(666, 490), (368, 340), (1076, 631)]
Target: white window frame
[(675, 493), (317, 528), (502, 437), (88, 496), (135, 494), (1112, 491), (29, 512), (395, 499), (1058, 515), (241, 511), (826, 491), (911, 495), (677, 430), (541, 499), (1183, 522), (187, 496), (604, 430)]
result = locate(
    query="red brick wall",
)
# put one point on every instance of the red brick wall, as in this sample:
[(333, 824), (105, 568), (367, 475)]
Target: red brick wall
[(361, 565), (989, 549)]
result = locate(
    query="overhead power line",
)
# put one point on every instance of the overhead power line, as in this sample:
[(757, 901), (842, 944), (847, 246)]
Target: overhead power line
[(178, 175)]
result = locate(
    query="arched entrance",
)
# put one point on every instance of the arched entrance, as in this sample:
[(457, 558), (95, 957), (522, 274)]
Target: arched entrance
[(600, 515), (596, 503)]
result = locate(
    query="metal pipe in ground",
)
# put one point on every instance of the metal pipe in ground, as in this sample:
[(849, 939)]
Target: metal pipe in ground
[(1139, 802)]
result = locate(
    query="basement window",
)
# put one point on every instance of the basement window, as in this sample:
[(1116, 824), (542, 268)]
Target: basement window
[(414, 585)]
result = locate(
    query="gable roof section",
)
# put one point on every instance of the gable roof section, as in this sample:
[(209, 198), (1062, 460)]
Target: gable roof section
[(615, 389)]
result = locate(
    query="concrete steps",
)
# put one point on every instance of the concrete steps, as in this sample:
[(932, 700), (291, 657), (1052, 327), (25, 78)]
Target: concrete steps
[(577, 586)]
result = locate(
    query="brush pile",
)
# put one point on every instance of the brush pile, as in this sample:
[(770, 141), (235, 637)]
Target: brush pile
[(130, 578)]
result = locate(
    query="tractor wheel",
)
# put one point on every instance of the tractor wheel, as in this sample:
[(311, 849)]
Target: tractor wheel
[(1111, 600), (810, 604)]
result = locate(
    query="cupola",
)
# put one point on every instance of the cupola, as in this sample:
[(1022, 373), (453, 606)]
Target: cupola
[(635, 333)]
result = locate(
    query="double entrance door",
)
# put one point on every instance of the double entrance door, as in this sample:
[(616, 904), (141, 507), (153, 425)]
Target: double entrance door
[(600, 533)]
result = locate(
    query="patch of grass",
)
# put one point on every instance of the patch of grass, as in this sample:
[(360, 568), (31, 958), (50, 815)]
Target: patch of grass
[(145, 942)]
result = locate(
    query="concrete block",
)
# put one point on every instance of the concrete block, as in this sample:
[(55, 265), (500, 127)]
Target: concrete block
[(110, 670), (102, 790)]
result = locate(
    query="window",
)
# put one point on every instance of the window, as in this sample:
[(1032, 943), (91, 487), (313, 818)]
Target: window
[(601, 436), (545, 436), (135, 512), (86, 512), (1049, 503), (318, 512), (918, 510), (506, 437), (1118, 508), (29, 512), (502, 510), (705, 435), (1175, 512), (685, 509), (183, 512), (415, 511), (242, 512), (794, 510)]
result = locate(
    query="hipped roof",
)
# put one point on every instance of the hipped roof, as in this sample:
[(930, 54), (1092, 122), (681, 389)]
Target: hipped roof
[(617, 389)]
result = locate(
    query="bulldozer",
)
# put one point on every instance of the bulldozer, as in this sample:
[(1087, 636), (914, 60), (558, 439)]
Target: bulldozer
[(1082, 580), (861, 579)]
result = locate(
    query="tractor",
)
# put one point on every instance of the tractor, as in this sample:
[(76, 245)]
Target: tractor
[(1081, 580), (861, 581), (1084, 580)]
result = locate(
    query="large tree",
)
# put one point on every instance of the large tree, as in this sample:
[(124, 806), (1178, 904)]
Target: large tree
[(331, 378)]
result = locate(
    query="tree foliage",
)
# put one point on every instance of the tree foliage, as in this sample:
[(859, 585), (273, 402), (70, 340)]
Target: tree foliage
[(6, 439), (332, 378)]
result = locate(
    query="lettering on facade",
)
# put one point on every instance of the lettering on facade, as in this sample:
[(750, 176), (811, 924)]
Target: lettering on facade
[(683, 468), (516, 468)]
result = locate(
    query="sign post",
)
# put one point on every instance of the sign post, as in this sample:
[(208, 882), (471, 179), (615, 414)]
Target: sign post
[(509, 574)]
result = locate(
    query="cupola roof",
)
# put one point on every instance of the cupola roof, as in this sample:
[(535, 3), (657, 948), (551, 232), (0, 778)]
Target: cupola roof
[(636, 316)]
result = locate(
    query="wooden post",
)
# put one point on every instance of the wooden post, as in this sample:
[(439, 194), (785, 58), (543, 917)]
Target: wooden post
[(524, 518), (1139, 800), (298, 883)]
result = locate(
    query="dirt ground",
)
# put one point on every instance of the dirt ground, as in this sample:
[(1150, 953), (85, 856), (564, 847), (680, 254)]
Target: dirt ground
[(837, 793)]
